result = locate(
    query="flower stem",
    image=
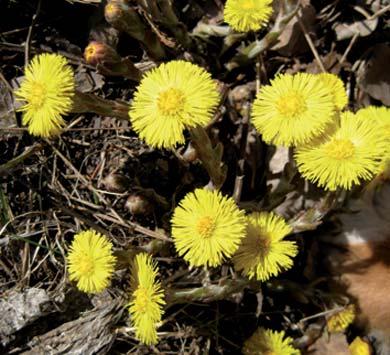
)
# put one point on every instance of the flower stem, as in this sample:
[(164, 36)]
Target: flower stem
[(208, 293), (83, 103), (210, 157), (126, 19)]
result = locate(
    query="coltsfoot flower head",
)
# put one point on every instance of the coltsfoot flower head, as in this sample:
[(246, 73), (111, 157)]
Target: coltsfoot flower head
[(267, 341), (47, 92), (247, 15), (351, 154), (336, 86), (263, 253), (207, 227), (147, 299), (341, 320), (170, 98), (360, 347), (378, 114), (293, 109), (90, 261)]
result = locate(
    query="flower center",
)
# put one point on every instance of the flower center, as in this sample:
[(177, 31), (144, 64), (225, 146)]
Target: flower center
[(340, 149), (38, 95), (265, 350), (86, 266), (112, 9), (291, 105), (171, 101), (141, 299), (248, 5), (263, 244), (90, 51), (206, 226)]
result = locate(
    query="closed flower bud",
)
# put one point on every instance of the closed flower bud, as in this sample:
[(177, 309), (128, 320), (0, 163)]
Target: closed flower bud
[(114, 10), (138, 204), (109, 62), (190, 154), (116, 182), (125, 18), (98, 53)]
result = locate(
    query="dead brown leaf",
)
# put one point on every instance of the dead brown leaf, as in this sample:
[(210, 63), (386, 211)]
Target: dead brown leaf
[(330, 344), (292, 41), (362, 28), (375, 79)]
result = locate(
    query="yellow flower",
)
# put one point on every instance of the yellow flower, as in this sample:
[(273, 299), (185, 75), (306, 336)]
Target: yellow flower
[(341, 320), (175, 96), (352, 153), (336, 86), (269, 342), (147, 299), (381, 116), (293, 109), (90, 261), (207, 227), (359, 347), (247, 15), (263, 253), (47, 92)]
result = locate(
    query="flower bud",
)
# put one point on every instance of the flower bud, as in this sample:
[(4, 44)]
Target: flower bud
[(126, 19), (138, 204), (109, 62), (115, 182), (114, 10), (190, 154), (98, 53)]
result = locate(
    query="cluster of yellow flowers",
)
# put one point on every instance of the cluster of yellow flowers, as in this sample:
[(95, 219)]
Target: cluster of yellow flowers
[(333, 148), (91, 263), (208, 227)]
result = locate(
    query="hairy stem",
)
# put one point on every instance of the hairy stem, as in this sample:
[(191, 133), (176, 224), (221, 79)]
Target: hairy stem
[(208, 293), (83, 103), (210, 157)]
